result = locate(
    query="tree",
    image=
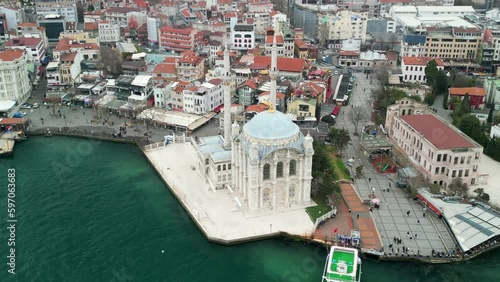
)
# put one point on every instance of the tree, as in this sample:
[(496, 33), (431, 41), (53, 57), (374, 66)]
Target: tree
[(133, 23), (445, 101), (465, 105), (481, 195), (471, 126), (490, 114), (112, 60), (340, 138), (356, 115), (435, 189), (492, 148), (431, 72), (90, 8), (496, 119), (458, 187), (441, 83)]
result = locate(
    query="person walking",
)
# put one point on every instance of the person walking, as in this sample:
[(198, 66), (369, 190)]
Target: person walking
[(369, 179), (415, 236), (357, 216), (408, 213)]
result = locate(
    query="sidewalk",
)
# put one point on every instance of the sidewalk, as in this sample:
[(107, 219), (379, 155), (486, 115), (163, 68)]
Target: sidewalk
[(391, 219)]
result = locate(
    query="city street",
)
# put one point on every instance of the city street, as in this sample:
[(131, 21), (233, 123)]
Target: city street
[(391, 219)]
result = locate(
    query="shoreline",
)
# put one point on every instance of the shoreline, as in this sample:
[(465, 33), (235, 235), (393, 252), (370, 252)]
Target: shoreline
[(141, 142)]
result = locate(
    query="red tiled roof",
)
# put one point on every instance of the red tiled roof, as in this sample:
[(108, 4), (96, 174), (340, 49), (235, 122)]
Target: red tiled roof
[(11, 121), (348, 53), (230, 14), (279, 95), (91, 26), (421, 61), (190, 58), (300, 43), (270, 39), (65, 57), (472, 91), (215, 81), (439, 134), (249, 83), (257, 108), (26, 25), (164, 68), (122, 10), (224, 2), (284, 64), (11, 55), (23, 41)]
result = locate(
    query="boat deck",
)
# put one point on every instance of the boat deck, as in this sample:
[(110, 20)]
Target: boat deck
[(6, 146), (342, 265)]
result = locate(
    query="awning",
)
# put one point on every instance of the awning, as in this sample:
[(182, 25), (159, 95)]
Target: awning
[(217, 109), (336, 110)]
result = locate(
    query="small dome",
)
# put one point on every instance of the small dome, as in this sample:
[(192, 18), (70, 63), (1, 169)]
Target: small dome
[(271, 125)]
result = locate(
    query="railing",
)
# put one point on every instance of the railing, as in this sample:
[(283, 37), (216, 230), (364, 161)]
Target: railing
[(325, 217), (154, 146)]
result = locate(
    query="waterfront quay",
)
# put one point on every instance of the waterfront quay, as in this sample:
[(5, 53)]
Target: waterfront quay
[(217, 213)]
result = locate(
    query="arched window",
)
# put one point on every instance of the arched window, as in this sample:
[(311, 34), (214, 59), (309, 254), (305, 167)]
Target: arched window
[(279, 169), (267, 172), (293, 167), (218, 168)]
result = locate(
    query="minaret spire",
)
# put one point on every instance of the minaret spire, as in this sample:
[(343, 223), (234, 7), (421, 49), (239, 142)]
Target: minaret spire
[(226, 76), (273, 73)]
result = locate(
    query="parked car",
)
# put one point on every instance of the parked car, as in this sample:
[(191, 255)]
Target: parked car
[(36, 105), (25, 106)]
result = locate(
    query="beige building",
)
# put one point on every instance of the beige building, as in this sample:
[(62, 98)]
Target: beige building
[(190, 67), (79, 36), (343, 25), (14, 82), (437, 149), (453, 43)]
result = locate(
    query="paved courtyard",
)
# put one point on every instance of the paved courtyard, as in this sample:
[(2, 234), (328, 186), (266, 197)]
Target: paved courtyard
[(217, 213), (391, 219)]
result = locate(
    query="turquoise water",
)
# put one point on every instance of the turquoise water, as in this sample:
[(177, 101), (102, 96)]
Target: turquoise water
[(96, 211)]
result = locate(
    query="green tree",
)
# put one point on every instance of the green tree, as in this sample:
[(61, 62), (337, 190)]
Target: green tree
[(431, 72), (458, 187), (90, 8), (496, 119), (492, 148), (490, 114), (471, 126), (441, 83), (465, 105), (429, 99), (445, 101), (340, 138)]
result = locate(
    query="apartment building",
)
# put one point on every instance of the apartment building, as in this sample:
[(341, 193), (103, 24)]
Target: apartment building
[(343, 25), (109, 33), (372, 7), (413, 45), (176, 101), (10, 18), (190, 67), (33, 31), (177, 38), (490, 59), (89, 51), (413, 68), (440, 152), (122, 16), (243, 37), (492, 87), (70, 68), (79, 36), (204, 98), (454, 43), (34, 47), (14, 82), (66, 9)]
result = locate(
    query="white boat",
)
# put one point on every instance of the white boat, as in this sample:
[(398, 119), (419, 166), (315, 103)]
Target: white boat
[(342, 265)]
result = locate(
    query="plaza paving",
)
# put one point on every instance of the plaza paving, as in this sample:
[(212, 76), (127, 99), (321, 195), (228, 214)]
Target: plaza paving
[(391, 219), (217, 213)]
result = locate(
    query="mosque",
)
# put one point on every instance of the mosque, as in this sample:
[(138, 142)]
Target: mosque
[(266, 163)]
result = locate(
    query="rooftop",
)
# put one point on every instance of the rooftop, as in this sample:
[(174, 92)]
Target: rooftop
[(421, 61), (23, 41), (472, 91), (439, 134), (11, 55)]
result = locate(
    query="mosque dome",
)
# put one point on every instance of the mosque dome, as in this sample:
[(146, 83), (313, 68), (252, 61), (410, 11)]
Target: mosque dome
[(271, 126)]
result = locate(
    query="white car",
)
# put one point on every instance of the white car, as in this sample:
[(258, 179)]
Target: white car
[(25, 106), (36, 105)]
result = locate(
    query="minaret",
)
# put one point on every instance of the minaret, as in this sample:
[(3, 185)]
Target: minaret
[(227, 98), (273, 73)]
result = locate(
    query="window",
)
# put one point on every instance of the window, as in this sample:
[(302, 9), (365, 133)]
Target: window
[(279, 169), (455, 161), (439, 158), (437, 170), (453, 173), (218, 168), (293, 167), (267, 172), (206, 161), (466, 173), (223, 167), (444, 157), (462, 160), (228, 166)]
